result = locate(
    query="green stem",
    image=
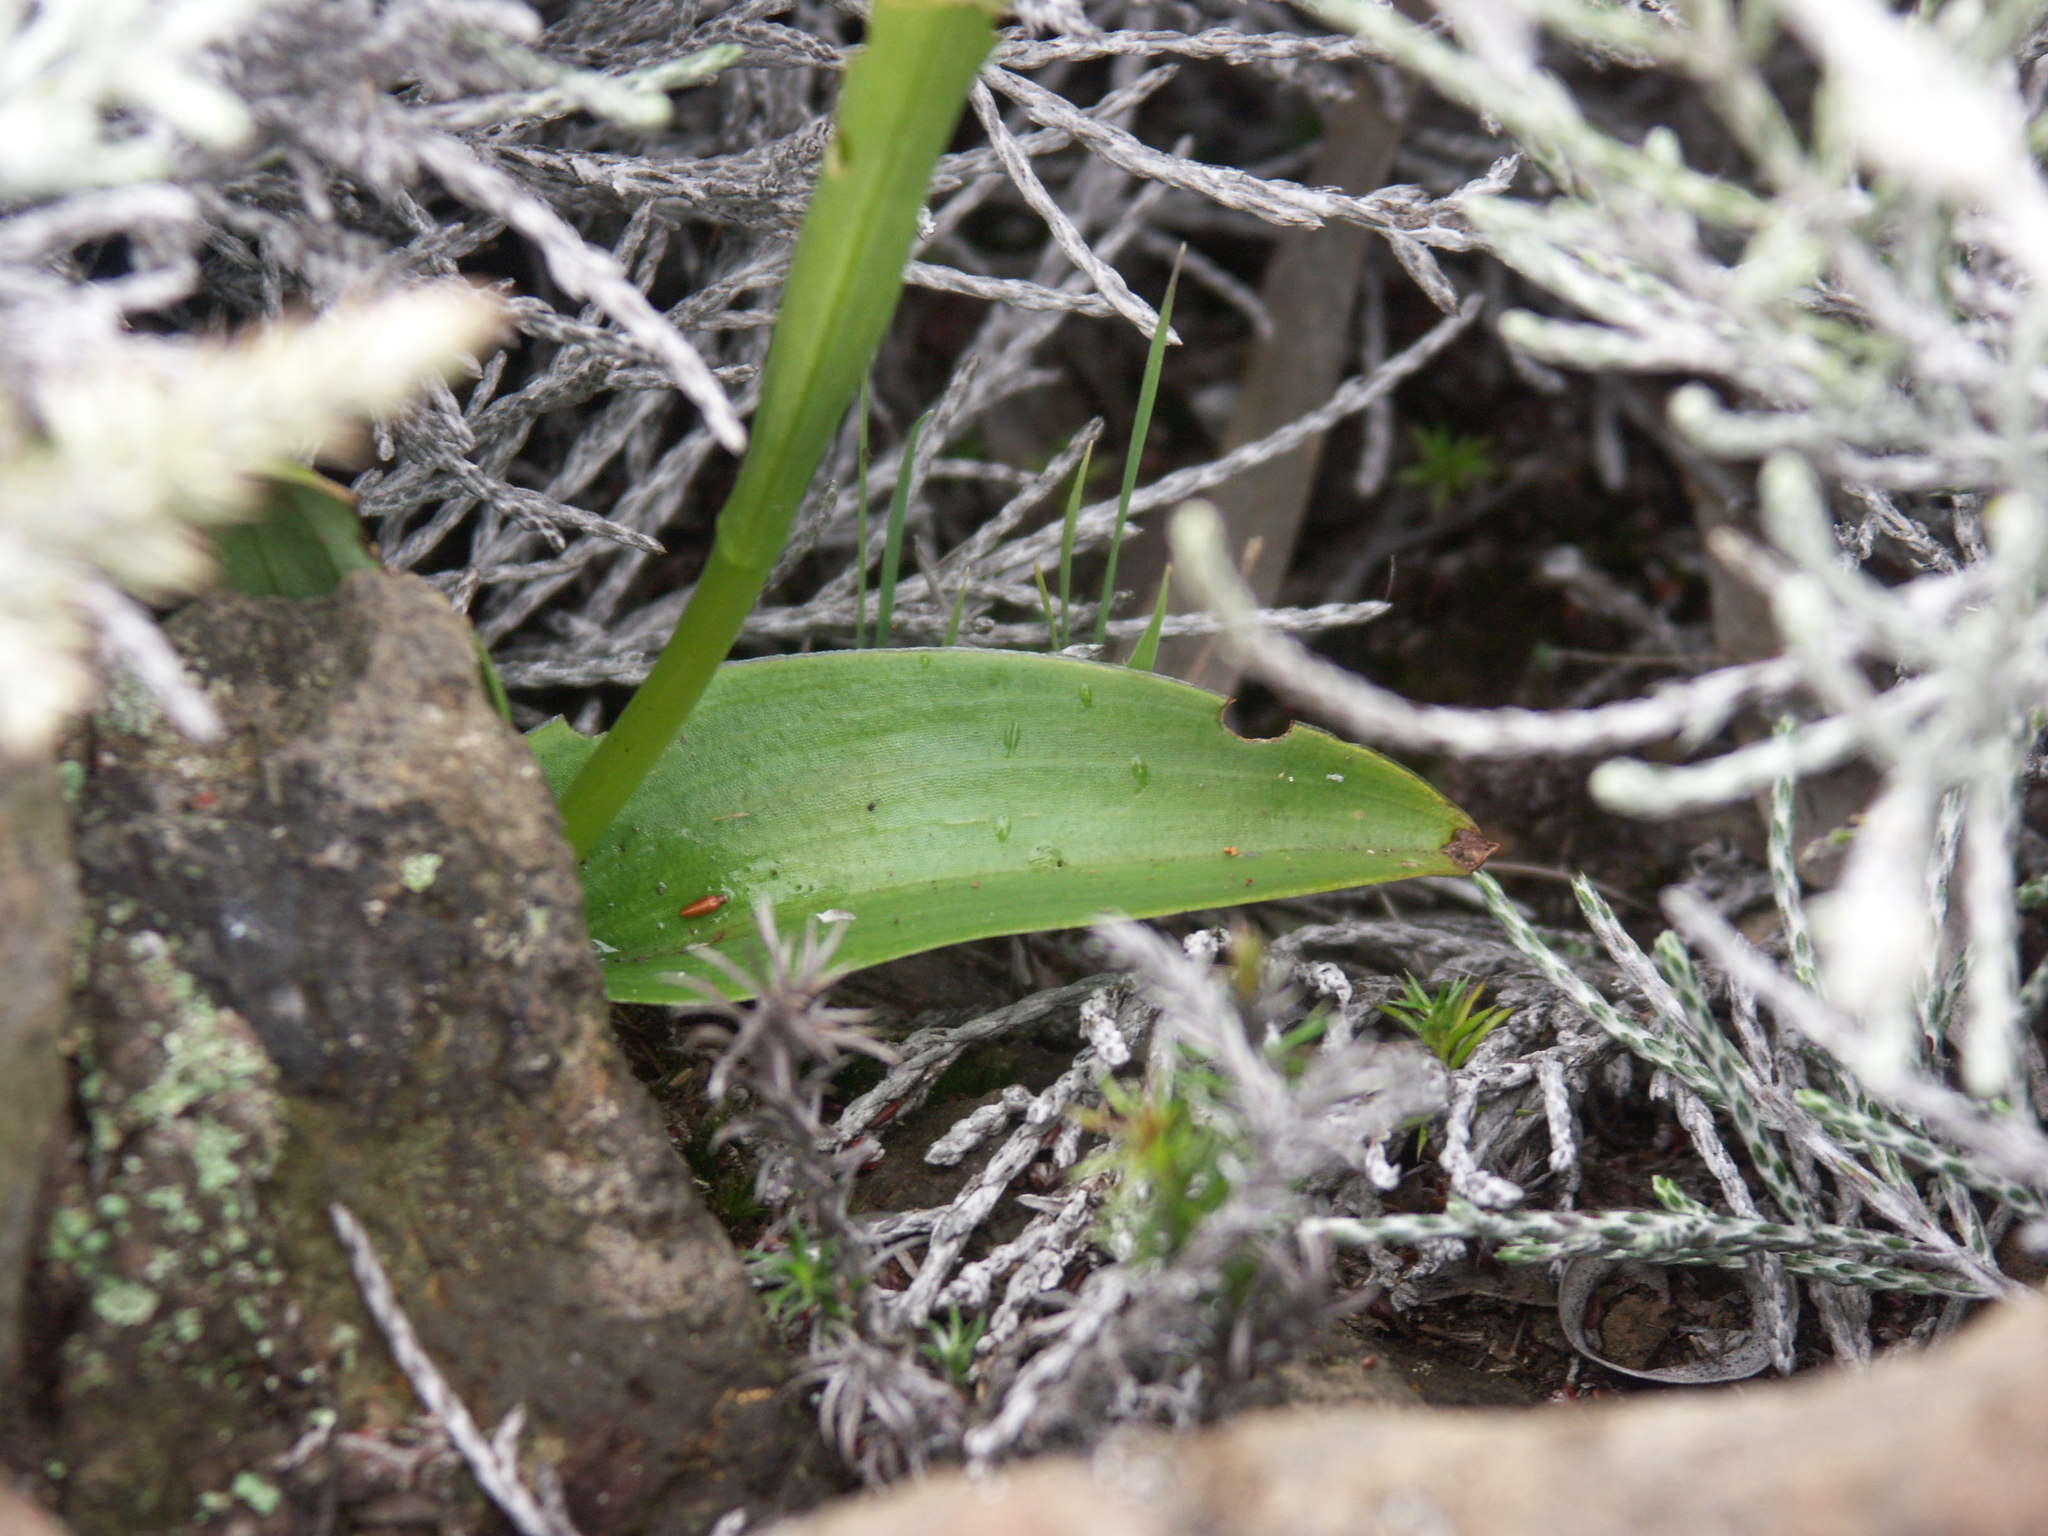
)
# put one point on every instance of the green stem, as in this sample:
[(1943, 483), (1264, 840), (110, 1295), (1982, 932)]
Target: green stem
[(902, 97)]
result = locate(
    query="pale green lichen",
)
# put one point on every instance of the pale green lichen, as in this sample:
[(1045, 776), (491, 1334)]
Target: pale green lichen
[(209, 1078), (202, 1061), (127, 707), (125, 1303), (418, 871), (215, 1152), (75, 1239), (258, 1493)]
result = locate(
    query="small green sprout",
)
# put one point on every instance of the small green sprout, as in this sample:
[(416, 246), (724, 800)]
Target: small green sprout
[(1175, 1149), (1290, 1053), (803, 1277), (1448, 1021), (950, 1344), (1447, 464), (1168, 1159)]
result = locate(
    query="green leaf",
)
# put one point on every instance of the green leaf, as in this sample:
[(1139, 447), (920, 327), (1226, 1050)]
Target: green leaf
[(946, 795), (860, 520), (304, 540)]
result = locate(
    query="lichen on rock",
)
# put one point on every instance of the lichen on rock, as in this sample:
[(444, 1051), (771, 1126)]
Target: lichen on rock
[(339, 956)]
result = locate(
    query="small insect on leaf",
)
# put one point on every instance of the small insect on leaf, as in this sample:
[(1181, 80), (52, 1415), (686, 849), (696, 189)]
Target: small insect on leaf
[(703, 906)]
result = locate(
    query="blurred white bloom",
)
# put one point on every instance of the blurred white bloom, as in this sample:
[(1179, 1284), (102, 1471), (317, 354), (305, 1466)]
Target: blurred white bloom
[(1499, 33), (1910, 106), (97, 91), (116, 462), (1874, 948)]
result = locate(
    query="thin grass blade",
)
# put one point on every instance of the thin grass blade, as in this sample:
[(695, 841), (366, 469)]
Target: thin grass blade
[(860, 521), (1141, 424), (953, 619), (1145, 654), (1073, 513), (892, 541)]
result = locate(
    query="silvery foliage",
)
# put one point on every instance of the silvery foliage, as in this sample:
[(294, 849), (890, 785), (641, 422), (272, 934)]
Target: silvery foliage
[(1080, 1328), (304, 147), (1867, 304)]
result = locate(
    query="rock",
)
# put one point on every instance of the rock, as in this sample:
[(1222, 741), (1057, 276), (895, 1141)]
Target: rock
[(1946, 1441), (340, 957), (19, 1517), (38, 922)]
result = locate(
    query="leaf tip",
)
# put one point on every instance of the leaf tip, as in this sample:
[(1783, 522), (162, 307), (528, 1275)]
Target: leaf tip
[(1469, 848)]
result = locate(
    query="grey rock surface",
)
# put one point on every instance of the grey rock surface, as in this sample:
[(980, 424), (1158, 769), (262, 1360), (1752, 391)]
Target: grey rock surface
[(339, 957), (1944, 1441)]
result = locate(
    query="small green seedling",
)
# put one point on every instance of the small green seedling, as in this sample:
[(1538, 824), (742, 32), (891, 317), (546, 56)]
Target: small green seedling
[(1145, 654), (1447, 465), (950, 1344), (804, 1277), (1176, 1152), (892, 537), (1448, 1021), (1169, 1161)]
